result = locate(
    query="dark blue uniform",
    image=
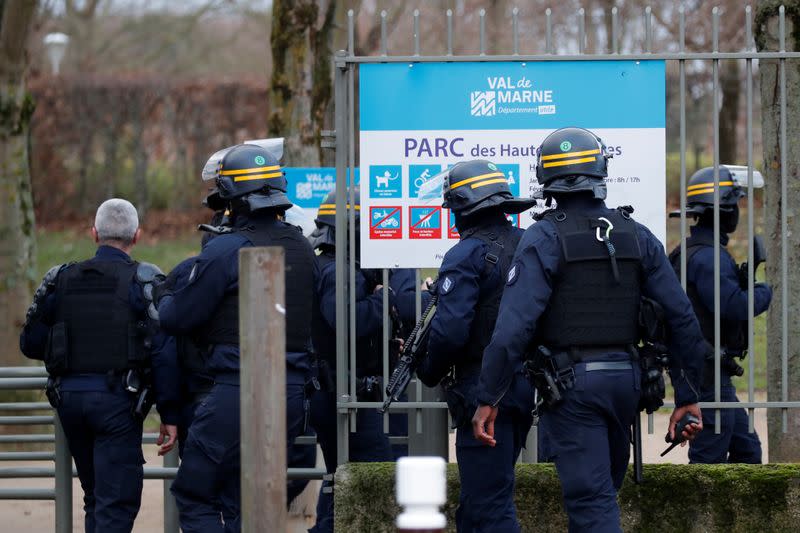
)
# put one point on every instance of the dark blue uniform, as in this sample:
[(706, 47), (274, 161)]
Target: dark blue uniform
[(734, 443), (487, 474), (104, 437), (369, 443), (210, 470), (589, 432), (194, 385)]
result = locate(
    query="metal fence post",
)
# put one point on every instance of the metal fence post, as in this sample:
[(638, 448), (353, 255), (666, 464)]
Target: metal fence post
[(170, 508), (340, 120), (63, 475), (262, 330)]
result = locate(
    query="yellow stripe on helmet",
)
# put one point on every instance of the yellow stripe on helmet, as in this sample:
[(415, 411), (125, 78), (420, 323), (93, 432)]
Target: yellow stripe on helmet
[(249, 170), (488, 182), (708, 184), (258, 176), (326, 212), (473, 179), (570, 154), (569, 162), (699, 191)]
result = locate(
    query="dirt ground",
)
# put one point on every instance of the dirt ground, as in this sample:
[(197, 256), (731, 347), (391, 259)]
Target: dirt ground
[(38, 516)]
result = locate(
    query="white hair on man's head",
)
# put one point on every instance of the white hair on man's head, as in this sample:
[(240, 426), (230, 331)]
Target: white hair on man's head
[(116, 220)]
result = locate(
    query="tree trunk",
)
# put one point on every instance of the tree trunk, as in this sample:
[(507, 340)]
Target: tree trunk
[(731, 81), (302, 82), (17, 235), (783, 447)]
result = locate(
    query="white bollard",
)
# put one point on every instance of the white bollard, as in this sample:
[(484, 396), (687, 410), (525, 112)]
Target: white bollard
[(421, 491)]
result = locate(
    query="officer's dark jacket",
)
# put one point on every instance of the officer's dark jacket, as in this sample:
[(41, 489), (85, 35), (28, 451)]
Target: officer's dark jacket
[(469, 292), (733, 298), (403, 283), (213, 283), (33, 338), (537, 263), (192, 353), (369, 315)]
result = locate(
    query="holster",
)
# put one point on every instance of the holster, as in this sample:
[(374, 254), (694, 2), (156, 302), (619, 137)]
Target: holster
[(551, 374), (652, 360), (52, 391), (457, 403), (144, 402), (325, 375)]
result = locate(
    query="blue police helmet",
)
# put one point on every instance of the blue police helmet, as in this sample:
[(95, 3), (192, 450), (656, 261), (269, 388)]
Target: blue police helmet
[(472, 186), (325, 234), (572, 160), (252, 173)]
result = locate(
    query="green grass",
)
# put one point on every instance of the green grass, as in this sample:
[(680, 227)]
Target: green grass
[(56, 247)]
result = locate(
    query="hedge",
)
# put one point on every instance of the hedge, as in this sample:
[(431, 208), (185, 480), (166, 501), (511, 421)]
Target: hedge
[(692, 498)]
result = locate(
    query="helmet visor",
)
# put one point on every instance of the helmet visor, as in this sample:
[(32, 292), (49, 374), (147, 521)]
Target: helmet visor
[(273, 146), (432, 191), (740, 179)]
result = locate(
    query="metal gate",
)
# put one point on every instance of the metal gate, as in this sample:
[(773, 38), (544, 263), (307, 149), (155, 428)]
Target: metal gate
[(427, 427)]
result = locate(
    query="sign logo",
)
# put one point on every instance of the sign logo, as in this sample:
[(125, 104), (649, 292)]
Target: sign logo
[(385, 182), (385, 222), (565, 146), (425, 222), (512, 274), (511, 95), (260, 160), (483, 103)]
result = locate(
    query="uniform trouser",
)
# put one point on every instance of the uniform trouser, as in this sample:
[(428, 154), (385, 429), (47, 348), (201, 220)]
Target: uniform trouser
[(106, 442), (187, 412), (734, 443), (589, 437), (208, 480), (486, 503), (368, 444)]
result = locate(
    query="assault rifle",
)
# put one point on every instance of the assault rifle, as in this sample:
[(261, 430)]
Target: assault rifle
[(414, 349)]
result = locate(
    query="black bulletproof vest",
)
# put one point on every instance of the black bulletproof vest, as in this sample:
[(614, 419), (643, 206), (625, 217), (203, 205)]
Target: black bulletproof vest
[(98, 331), (733, 333), (223, 327), (501, 242), (588, 306)]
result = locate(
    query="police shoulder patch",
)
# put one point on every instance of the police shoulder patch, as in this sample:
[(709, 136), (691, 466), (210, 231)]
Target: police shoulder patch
[(447, 284), (513, 273)]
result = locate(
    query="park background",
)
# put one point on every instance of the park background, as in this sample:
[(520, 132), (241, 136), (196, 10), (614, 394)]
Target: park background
[(147, 90)]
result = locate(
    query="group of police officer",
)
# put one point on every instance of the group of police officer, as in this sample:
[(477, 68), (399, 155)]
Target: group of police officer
[(116, 335)]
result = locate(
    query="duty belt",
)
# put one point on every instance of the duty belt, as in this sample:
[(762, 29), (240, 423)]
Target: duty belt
[(589, 353), (608, 365)]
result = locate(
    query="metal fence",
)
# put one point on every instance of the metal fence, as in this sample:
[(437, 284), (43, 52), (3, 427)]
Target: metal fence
[(62, 471), (427, 422)]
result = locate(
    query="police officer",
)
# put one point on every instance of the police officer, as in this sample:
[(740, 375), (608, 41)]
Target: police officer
[(470, 284), (368, 443), (94, 326), (734, 443), (250, 180), (574, 288)]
